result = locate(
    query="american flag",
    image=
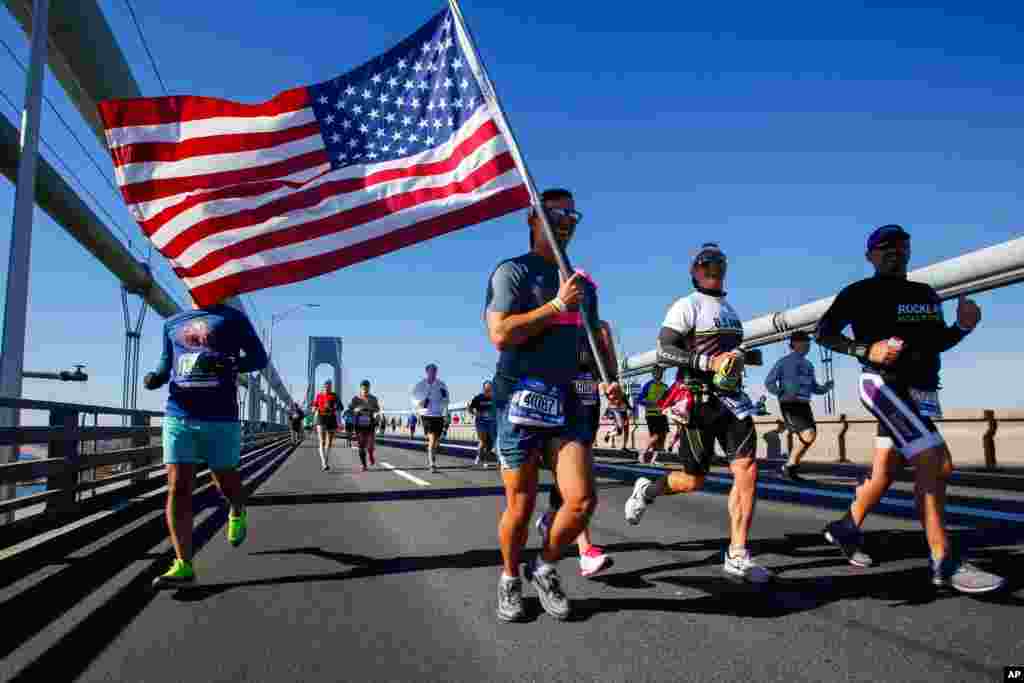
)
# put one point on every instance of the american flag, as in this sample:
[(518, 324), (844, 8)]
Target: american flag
[(240, 197)]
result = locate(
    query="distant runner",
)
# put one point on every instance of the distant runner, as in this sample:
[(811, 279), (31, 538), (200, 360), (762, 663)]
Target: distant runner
[(657, 423), (365, 411), (325, 404), (295, 418), (430, 399), (482, 410), (792, 380)]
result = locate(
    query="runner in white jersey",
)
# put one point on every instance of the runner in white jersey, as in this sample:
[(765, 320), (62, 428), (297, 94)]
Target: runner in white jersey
[(701, 335), (430, 399)]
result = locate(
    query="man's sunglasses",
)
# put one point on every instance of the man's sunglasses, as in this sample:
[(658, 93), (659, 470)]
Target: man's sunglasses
[(576, 216), (897, 243)]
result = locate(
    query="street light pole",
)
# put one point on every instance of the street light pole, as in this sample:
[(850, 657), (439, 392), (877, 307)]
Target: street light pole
[(277, 317)]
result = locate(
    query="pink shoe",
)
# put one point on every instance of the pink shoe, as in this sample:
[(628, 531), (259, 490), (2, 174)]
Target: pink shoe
[(594, 561)]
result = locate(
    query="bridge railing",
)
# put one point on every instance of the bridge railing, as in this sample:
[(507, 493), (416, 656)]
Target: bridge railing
[(85, 466), (981, 439)]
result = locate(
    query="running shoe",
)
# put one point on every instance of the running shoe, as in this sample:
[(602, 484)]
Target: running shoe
[(964, 576), (548, 585), (636, 504), (180, 574), (849, 539), (790, 472), (510, 599), (744, 567), (238, 528), (594, 561)]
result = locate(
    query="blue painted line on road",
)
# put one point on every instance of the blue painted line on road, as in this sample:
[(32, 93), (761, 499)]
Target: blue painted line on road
[(898, 506)]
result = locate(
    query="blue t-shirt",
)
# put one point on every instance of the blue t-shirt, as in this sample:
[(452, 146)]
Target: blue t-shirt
[(204, 350), (484, 408), (522, 284)]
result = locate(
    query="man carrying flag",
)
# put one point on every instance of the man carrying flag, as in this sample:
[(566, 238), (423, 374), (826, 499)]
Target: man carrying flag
[(241, 197), (533, 319)]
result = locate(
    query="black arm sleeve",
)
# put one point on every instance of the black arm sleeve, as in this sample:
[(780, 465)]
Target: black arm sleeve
[(949, 337), (671, 352), (831, 326)]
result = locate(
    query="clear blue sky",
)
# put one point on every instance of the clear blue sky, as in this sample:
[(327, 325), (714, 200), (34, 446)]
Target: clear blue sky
[(783, 131)]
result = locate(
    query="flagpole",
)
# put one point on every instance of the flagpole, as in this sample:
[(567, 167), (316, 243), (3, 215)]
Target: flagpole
[(476, 64)]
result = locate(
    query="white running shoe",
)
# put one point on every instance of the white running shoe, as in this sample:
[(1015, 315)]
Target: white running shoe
[(744, 568), (636, 504)]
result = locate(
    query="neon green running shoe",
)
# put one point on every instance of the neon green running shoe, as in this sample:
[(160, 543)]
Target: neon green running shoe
[(180, 574), (238, 528)]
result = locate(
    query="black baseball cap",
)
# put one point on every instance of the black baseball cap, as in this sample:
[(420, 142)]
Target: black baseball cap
[(431, 366), (365, 383), (886, 233), (799, 335)]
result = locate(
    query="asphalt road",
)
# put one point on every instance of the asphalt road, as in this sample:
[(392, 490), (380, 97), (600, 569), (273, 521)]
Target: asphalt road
[(375, 576)]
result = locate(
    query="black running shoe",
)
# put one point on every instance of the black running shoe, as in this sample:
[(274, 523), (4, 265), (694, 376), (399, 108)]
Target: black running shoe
[(790, 472), (849, 540)]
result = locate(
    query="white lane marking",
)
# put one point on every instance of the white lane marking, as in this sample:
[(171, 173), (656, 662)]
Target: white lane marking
[(405, 475)]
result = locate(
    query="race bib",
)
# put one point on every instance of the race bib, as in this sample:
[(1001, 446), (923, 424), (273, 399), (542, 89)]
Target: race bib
[(363, 420), (203, 370), (535, 404), (739, 404), (587, 391), (927, 402)]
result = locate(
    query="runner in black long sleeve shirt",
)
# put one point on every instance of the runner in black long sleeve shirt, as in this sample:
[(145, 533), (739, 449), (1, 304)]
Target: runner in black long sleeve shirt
[(898, 334)]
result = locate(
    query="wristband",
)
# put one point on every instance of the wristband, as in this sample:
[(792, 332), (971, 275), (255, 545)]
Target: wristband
[(558, 304)]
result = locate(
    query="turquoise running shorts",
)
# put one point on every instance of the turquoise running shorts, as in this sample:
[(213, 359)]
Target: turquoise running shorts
[(188, 441)]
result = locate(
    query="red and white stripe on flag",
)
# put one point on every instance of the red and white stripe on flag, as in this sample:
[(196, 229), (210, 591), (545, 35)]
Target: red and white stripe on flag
[(241, 197)]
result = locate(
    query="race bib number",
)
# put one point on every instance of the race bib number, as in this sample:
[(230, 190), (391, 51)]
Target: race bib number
[(739, 404), (586, 390), (201, 370), (927, 402), (535, 404)]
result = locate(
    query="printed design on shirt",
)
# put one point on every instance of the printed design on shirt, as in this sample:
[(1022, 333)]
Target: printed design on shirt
[(716, 332), (722, 323), (196, 334), (918, 313)]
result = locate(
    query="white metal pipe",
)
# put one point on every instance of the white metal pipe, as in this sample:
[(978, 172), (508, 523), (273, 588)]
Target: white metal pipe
[(978, 271)]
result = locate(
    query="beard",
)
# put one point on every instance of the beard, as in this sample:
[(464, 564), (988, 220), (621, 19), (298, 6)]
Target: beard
[(894, 263)]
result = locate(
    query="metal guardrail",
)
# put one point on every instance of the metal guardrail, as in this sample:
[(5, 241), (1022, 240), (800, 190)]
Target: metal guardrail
[(70, 466), (986, 421), (987, 418)]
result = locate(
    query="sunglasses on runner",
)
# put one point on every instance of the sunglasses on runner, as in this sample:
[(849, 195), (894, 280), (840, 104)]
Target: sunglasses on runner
[(572, 214)]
